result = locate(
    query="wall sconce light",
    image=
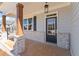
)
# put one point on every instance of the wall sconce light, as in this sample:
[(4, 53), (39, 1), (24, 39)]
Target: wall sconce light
[(46, 6)]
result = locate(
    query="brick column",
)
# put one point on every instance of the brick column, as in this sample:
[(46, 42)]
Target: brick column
[(19, 19), (3, 23)]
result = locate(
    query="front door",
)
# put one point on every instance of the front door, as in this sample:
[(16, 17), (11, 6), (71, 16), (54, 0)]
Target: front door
[(51, 29)]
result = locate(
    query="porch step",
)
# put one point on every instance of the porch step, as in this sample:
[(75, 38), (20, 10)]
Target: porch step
[(9, 44), (6, 47)]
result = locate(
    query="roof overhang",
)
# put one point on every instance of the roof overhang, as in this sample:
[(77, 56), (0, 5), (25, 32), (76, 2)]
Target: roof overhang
[(30, 8)]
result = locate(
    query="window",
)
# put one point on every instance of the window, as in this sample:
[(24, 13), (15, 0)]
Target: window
[(30, 24), (25, 24)]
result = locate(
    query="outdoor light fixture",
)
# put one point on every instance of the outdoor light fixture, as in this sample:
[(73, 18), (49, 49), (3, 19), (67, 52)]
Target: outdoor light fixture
[(46, 7)]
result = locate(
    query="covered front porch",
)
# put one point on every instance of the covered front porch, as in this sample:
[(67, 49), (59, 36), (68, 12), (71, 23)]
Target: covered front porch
[(31, 28)]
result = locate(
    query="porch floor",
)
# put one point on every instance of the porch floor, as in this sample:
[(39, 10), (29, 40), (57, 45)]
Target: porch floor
[(34, 48)]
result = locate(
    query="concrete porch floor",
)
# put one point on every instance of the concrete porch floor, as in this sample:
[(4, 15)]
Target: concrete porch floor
[(34, 48)]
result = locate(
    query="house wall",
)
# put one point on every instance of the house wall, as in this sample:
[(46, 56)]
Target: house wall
[(63, 23), (75, 29)]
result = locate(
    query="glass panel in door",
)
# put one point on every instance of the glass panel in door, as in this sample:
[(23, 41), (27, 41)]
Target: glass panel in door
[(51, 30)]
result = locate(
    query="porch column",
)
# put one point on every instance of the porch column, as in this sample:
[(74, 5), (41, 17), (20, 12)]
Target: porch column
[(19, 38), (3, 23), (19, 19), (4, 32)]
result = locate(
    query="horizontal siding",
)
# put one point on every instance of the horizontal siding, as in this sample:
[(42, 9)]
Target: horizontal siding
[(35, 35), (75, 29)]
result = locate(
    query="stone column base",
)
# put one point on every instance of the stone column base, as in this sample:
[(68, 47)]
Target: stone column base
[(19, 46)]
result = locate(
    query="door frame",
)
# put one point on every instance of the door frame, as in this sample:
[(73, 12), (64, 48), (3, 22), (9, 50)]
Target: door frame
[(46, 23)]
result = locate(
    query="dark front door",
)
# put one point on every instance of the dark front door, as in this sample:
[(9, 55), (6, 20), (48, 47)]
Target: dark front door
[(51, 29)]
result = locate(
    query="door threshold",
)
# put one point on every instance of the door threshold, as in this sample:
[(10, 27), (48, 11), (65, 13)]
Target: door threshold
[(53, 44)]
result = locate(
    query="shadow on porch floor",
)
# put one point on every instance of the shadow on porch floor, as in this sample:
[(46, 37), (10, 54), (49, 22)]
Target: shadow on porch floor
[(34, 48)]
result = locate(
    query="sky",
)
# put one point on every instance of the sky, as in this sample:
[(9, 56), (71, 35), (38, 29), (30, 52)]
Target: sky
[(0, 18)]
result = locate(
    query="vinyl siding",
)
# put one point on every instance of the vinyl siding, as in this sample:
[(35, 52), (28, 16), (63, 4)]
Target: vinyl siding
[(75, 29)]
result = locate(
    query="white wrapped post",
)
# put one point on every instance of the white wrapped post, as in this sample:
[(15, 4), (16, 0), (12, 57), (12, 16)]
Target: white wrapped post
[(4, 36)]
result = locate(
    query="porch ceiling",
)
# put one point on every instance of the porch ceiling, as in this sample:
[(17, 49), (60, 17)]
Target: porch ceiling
[(30, 8)]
